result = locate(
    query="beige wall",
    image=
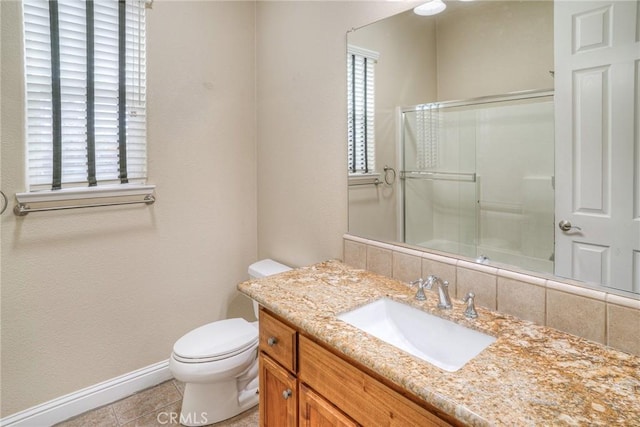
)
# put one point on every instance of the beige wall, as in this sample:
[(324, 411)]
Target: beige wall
[(302, 179), (91, 294), (475, 58)]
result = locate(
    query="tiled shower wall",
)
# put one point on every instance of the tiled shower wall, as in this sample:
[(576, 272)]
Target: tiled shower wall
[(596, 315)]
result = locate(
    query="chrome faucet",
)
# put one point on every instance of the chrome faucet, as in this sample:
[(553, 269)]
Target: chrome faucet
[(444, 301)]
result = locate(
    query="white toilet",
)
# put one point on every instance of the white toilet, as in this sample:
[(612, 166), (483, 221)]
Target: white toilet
[(218, 362)]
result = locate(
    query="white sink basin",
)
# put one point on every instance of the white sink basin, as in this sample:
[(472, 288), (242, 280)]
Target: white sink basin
[(433, 339)]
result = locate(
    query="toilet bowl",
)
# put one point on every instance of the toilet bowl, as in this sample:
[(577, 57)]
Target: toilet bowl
[(218, 363)]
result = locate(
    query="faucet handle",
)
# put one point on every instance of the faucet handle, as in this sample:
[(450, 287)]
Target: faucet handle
[(470, 311), (431, 279), (419, 282), (420, 296)]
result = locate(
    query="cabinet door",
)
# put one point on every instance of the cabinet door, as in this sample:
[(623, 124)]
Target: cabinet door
[(278, 395), (317, 412)]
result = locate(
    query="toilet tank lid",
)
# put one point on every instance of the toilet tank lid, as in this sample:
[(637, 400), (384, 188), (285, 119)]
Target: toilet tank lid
[(266, 267)]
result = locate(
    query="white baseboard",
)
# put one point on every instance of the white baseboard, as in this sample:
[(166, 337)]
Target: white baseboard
[(65, 407)]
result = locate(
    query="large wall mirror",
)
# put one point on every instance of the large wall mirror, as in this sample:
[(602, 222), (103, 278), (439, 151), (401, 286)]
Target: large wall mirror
[(506, 132)]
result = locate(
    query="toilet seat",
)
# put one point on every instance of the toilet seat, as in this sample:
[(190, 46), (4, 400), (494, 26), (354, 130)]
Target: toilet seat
[(216, 341)]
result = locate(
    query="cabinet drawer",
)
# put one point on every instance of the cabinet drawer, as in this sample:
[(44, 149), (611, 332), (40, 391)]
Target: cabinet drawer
[(278, 340), (363, 398)]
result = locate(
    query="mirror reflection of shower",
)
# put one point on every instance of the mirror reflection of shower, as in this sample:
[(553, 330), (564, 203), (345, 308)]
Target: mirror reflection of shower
[(467, 188)]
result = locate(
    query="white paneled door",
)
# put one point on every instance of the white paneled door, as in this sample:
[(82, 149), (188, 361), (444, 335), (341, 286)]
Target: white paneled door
[(597, 70)]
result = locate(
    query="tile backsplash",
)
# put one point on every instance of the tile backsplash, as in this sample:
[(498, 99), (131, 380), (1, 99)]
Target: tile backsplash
[(592, 314)]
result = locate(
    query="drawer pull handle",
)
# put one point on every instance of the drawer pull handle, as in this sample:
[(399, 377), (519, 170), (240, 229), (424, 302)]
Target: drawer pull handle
[(287, 393), (272, 341)]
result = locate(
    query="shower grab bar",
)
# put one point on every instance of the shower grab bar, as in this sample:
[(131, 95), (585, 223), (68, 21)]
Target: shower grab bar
[(439, 176)]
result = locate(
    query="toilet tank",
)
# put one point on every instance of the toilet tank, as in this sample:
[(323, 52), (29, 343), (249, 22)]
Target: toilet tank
[(264, 268)]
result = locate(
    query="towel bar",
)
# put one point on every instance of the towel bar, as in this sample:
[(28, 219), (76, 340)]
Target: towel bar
[(22, 209)]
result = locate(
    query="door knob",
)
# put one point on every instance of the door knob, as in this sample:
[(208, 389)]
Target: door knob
[(286, 394), (565, 225)]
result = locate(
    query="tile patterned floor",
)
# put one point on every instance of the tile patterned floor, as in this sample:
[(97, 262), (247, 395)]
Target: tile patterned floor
[(150, 408)]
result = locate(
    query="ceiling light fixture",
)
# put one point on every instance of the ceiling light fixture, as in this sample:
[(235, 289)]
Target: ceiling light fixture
[(432, 7)]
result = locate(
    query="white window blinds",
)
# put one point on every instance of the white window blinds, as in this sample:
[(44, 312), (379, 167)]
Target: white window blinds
[(85, 92), (361, 109)]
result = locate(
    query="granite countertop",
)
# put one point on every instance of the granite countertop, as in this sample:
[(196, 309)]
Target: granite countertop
[(531, 376)]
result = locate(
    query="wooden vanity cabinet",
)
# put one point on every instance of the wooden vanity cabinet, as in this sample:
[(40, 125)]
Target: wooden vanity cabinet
[(277, 363), (302, 383)]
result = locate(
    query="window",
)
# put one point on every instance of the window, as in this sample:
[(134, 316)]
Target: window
[(85, 93), (361, 109)]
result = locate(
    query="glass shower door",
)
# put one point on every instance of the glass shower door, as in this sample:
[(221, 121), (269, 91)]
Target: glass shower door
[(439, 179), (478, 178)]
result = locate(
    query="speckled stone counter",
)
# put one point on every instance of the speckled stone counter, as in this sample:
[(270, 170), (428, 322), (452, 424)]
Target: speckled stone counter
[(531, 376)]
